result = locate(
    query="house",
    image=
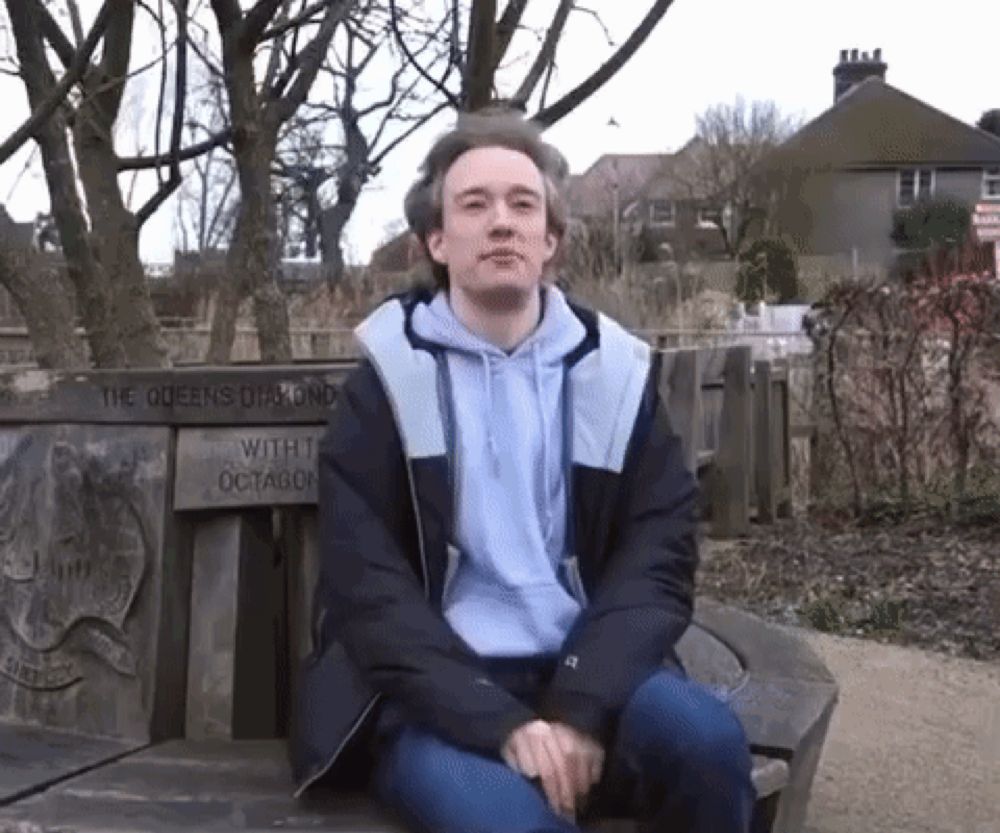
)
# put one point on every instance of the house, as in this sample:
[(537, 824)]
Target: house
[(657, 198), (875, 150)]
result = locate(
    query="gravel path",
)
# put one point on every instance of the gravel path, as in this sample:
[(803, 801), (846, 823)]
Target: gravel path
[(914, 744)]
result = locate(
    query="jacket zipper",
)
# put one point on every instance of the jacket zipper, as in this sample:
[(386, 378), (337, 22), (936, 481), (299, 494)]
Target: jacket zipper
[(451, 444), (411, 482), (568, 461), (375, 698), (312, 779)]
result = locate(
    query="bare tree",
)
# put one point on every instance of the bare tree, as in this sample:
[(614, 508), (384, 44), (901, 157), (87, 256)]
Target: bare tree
[(208, 199), (372, 128), (481, 43), (723, 170), (257, 112), (99, 238)]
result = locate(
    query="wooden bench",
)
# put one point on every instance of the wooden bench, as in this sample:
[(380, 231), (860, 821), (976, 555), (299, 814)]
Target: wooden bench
[(157, 590)]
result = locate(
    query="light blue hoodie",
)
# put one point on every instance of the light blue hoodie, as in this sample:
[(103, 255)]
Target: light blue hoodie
[(504, 596)]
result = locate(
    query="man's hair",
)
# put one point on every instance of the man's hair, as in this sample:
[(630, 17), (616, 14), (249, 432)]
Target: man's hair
[(491, 127)]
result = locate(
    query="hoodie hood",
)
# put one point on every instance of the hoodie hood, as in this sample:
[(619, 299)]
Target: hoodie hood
[(556, 335)]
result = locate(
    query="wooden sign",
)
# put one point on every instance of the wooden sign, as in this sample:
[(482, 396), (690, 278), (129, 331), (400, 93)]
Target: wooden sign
[(181, 396), (262, 466), (986, 221)]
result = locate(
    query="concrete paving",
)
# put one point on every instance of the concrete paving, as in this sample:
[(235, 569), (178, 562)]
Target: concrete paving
[(914, 745)]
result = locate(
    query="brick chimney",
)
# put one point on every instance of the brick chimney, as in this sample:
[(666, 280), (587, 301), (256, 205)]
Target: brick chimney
[(854, 68)]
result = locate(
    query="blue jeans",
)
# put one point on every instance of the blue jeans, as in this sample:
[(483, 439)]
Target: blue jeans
[(679, 763)]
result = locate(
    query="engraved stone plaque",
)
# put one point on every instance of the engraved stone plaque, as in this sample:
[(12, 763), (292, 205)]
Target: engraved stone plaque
[(82, 511), (264, 466)]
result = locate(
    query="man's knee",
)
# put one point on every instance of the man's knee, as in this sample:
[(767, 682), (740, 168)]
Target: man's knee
[(680, 719)]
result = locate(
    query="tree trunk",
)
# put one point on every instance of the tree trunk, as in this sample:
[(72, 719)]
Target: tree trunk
[(351, 179), (333, 220), (252, 261), (115, 238), (85, 271), (114, 229), (45, 305)]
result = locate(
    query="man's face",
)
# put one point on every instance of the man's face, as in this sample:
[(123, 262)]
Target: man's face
[(494, 237)]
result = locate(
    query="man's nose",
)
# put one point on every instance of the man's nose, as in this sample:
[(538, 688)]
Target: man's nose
[(501, 217)]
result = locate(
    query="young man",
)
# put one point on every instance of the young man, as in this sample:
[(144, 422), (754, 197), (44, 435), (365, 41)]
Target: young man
[(508, 539)]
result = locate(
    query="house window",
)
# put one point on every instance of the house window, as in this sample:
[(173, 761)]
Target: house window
[(661, 212), (991, 184), (914, 184), (709, 217)]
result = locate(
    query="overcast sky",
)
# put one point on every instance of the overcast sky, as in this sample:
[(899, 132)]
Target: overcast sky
[(703, 52)]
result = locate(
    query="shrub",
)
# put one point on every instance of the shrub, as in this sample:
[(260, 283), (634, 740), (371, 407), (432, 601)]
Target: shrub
[(768, 269), (931, 222)]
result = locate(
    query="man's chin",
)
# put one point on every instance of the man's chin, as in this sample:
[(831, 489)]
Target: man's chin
[(503, 296)]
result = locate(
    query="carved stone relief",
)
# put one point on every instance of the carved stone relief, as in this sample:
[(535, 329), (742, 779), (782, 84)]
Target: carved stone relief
[(81, 516)]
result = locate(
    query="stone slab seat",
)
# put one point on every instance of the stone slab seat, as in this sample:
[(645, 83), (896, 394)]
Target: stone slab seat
[(243, 785), (187, 786)]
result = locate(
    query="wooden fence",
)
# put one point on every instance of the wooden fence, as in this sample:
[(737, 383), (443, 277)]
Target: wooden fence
[(732, 413), (734, 418)]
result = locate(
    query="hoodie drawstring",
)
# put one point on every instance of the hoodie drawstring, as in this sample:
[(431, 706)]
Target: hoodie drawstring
[(490, 438), (546, 498)]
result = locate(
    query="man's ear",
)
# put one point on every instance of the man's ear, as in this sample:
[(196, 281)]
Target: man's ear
[(436, 246), (551, 245)]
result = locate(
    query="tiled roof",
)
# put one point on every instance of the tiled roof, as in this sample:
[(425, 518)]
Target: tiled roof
[(875, 125), (678, 177), (592, 192)]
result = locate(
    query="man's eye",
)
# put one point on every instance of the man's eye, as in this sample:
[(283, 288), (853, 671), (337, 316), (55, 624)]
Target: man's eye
[(524, 205), (475, 205)]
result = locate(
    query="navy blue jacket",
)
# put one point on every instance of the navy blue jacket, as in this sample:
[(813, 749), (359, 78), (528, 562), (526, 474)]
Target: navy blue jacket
[(385, 516)]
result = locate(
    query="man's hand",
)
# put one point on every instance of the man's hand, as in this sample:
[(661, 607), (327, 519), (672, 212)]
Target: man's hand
[(567, 762)]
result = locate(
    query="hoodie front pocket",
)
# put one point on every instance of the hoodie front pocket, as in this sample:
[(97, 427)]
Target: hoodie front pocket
[(571, 567)]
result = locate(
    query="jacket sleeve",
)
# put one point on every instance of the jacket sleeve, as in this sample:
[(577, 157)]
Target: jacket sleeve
[(643, 601), (370, 598)]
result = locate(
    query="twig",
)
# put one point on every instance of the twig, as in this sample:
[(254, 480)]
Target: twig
[(59, 92)]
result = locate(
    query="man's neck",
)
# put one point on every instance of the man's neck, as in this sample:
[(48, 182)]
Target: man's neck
[(506, 328)]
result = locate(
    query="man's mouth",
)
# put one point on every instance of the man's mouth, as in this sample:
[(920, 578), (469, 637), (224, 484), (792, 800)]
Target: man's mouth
[(501, 254)]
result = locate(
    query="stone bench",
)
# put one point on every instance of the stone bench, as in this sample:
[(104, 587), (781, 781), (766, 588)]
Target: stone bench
[(156, 575)]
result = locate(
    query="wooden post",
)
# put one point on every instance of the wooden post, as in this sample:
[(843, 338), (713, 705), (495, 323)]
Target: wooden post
[(683, 400), (764, 449), (731, 474), (301, 543), (232, 660), (783, 441)]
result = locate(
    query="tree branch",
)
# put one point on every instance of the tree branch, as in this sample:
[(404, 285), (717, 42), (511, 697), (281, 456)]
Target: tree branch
[(438, 85), (477, 86), (256, 21), (135, 163), (551, 114), (546, 55), (228, 13), (310, 59), (80, 63), (302, 17), (506, 26), (597, 18), (75, 22), (420, 122), (177, 125), (53, 33)]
